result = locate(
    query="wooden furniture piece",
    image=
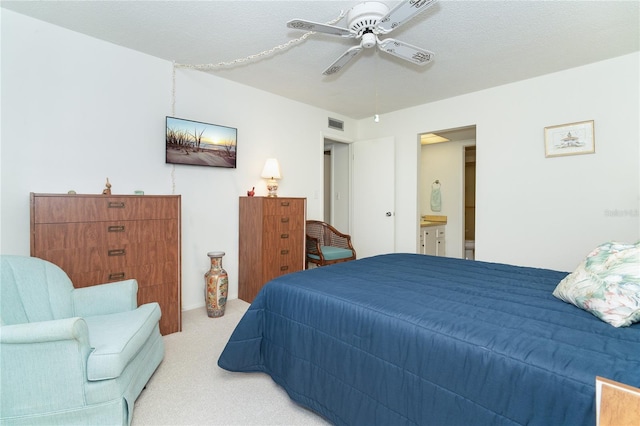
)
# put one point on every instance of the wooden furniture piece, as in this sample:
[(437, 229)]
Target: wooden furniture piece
[(271, 241), (617, 404), (326, 245), (97, 239)]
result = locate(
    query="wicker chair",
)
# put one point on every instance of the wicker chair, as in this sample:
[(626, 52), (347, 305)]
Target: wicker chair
[(326, 245)]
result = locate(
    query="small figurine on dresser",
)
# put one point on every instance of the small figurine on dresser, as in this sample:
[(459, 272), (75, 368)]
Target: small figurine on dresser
[(252, 192), (107, 190)]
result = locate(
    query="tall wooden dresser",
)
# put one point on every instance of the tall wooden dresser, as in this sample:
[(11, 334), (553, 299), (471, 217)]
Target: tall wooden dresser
[(98, 239), (271, 241)]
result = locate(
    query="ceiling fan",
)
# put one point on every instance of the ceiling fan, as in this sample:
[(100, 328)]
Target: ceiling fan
[(368, 20)]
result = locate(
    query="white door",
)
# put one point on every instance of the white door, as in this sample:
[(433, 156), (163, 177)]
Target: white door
[(373, 197)]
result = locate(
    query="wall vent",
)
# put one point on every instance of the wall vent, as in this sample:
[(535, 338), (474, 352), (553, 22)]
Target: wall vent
[(336, 124)]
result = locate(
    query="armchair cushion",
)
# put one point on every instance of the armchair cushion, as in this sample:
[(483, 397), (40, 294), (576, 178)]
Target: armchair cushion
[(332, 253), (117, 338)]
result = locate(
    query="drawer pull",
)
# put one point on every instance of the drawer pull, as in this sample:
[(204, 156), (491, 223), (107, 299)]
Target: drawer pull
[(285, 251), (284, 268), (116, 276), (116, 205), (116, 228), (284, 204), (284, 220), (117, 252), (284, 235)]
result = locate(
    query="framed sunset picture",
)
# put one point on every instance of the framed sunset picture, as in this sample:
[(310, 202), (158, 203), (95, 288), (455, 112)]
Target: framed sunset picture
[(200, 144)]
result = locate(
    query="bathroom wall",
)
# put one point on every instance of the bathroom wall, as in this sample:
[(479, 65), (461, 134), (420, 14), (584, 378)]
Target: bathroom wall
[(445, 162)]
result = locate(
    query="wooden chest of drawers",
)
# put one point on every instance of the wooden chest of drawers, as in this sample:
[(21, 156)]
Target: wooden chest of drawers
[(98, 239), (271, 241)]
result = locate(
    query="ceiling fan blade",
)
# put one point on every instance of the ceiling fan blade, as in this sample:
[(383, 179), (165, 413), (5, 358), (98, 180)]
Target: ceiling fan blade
[(401, 14), (406, 51), (301, 24), (343, 60)]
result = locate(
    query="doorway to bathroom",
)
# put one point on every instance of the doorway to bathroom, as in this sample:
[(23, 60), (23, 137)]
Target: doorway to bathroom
[(448, 157)]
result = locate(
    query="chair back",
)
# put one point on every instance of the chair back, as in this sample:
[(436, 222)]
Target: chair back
[(317, 229), (327, 235), (33, 290)]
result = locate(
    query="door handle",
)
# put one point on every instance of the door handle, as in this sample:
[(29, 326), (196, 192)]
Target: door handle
[(388, 214)]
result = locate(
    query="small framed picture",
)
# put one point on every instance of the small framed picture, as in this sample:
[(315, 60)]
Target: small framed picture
[(569, 139)]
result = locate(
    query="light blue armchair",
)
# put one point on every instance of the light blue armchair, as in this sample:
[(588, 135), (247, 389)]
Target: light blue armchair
[(71, 356)]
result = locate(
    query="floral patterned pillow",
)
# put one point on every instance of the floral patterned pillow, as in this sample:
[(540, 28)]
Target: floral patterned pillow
[(607, 284)]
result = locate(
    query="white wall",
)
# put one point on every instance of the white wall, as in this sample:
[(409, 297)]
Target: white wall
[(532, 210), (76, 110)]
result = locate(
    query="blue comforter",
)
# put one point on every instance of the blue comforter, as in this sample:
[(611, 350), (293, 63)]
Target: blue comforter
[(411, 339)]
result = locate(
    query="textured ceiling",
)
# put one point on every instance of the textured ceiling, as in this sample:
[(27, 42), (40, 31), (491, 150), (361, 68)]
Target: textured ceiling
[(477, 44)]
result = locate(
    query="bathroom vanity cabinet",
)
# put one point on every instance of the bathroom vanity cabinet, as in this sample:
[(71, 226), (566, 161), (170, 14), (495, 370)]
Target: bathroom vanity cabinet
[(432, 240), (432, 235)]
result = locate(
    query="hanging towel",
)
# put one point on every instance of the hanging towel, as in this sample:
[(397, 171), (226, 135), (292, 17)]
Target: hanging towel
[(436, 198)]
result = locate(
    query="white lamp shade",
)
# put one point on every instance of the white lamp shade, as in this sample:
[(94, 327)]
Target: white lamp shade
[(271, 169)]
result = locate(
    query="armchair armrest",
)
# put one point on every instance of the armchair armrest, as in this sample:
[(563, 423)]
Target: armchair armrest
[(46, 331), (105, 299), (313, 247), (48, 358), (338, 239)]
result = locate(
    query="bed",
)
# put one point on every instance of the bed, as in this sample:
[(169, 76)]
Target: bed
[(402, 339)]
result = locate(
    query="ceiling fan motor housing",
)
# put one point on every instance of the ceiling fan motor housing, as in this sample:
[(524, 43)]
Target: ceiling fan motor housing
[(366, 21), (363, 18)]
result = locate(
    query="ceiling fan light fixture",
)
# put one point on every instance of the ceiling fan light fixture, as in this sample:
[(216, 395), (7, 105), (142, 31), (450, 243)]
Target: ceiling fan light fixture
[(368, 40)]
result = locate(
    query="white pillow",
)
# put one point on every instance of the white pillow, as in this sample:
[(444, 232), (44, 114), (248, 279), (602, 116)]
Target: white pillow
[(607, 284)]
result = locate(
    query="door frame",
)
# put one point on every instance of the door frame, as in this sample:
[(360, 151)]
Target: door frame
[(330, 141), (455, 135)]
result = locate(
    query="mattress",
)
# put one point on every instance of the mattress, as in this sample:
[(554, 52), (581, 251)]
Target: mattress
[(412, 339)]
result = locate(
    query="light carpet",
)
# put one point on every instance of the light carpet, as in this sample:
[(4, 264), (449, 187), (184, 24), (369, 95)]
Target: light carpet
[(189, 388)]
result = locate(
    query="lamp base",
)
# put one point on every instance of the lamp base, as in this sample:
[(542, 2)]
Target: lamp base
[(272, 187)]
